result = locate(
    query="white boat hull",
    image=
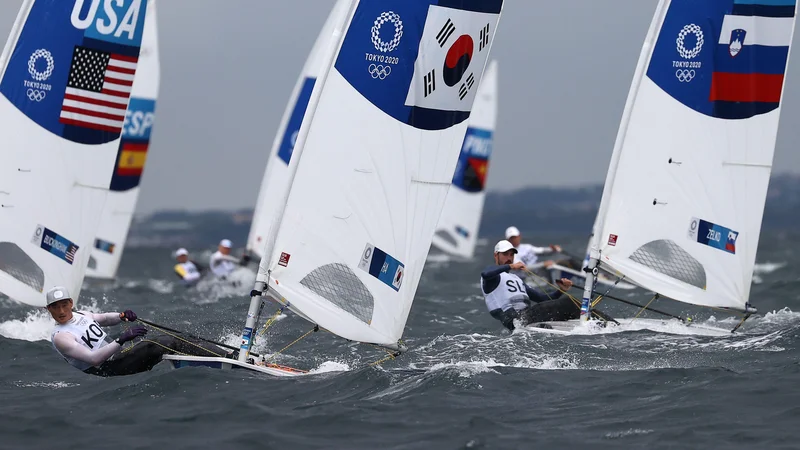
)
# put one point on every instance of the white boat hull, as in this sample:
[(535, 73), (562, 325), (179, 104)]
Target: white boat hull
[(179, 361), (671, 326)]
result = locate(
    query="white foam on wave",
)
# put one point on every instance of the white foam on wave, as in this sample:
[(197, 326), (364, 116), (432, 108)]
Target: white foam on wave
[(767, 267), (44, 384), (211, 289), (517, 351), (331, 366), (161, 286), (38, 324), (626, 433)]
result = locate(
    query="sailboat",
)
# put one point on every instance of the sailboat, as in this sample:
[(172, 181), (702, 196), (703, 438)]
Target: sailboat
[(457, 232), (65, 76), (684, 196), (370, 171), (276, 174), (131, 156)]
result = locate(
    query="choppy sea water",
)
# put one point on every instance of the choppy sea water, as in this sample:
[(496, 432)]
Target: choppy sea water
[(465, 383)]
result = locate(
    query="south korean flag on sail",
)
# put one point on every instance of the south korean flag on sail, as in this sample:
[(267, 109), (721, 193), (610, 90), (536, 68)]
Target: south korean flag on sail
[(453, 52), (419, 61)]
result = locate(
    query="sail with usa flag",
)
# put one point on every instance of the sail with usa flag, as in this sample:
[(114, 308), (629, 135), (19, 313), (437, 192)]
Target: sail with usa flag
[(65, 77), (370, 170)]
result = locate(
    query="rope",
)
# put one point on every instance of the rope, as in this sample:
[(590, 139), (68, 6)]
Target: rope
[(574, 300), (644, 307), (171, 350), (174, 336), (602, 296), (270, 321), (313, 330), (390, 356), (745, 317)]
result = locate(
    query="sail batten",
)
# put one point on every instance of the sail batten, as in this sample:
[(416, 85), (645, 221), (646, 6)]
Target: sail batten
[(684, 198)]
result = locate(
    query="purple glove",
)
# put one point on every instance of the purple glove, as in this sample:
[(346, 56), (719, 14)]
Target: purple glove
[(128, 316), (131, 334)]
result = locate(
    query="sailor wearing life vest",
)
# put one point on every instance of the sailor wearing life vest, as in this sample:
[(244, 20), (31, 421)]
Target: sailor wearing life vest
[(80, 339), (222, 263), (188, 271), (508, 297)]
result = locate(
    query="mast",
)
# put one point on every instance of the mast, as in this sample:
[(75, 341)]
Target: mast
[(594, 247), (262, 278)]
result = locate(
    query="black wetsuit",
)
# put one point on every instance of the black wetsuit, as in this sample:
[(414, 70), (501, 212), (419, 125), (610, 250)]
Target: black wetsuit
[(540, 306), (144, 355)]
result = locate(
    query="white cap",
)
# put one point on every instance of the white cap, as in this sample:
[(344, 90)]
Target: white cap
[(56, 294), (504, 246), (511, 232), (181, 252), (225, 243)]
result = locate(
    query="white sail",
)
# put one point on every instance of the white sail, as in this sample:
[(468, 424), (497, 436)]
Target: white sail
[(131, 156), (458, 227), (276, 175), (65, 77), (684, 197), (373, 163)]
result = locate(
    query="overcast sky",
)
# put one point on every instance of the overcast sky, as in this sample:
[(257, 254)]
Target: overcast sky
[(228, 68)]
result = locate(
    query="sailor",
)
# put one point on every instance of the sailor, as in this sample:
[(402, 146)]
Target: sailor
[(222, 263), (528, 253), (508, 297), (188, 271), (80, 339)]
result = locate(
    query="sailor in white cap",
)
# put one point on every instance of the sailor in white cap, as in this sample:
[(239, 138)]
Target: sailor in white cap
[(222, 263), (527, 253), (508, 297), (188, 271), (80, 339)]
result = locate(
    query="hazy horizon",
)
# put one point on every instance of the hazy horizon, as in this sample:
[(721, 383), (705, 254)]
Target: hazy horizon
[(228, 68)]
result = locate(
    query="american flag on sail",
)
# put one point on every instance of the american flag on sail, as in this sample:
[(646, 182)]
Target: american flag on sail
[(98, 89)]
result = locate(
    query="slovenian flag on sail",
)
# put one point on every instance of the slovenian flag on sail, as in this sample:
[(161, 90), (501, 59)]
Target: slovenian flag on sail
[(751, 57)]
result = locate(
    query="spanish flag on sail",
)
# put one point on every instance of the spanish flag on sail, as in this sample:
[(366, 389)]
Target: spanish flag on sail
[(130, 165)]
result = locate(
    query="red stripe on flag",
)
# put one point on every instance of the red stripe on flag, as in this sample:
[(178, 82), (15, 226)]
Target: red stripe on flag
[(121, 70), (110, 78), (116, 93), (134, 147), (746, 87), (128, 172), (95, 126), (94, 101), (87, 112), (132, 59)]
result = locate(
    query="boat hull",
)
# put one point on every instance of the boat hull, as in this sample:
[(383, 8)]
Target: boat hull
[(180, 361), (672, 326)]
